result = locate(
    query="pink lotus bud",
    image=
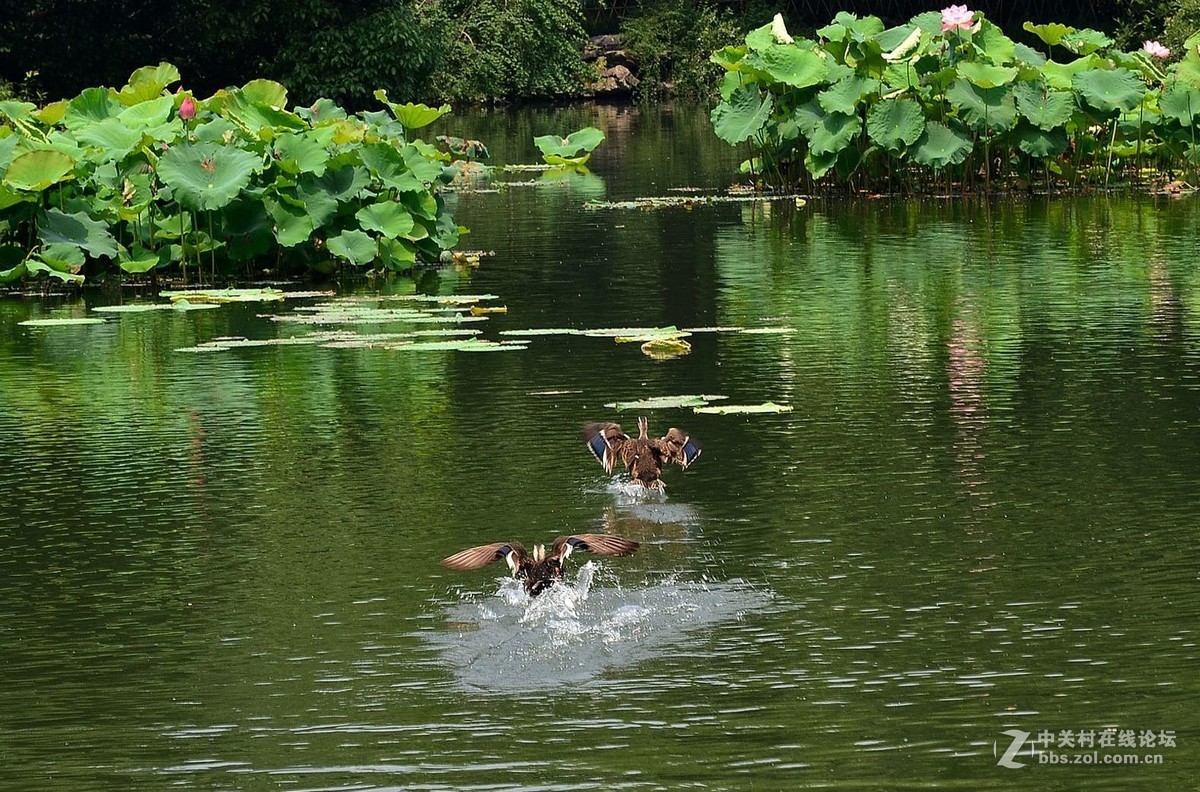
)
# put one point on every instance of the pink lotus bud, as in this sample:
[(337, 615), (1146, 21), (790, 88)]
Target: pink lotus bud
[(187, 110), (1156, 50), (957, 17)]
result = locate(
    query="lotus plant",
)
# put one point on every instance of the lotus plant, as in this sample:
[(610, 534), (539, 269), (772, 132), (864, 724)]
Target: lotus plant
[(1156, 50), (957, 17)]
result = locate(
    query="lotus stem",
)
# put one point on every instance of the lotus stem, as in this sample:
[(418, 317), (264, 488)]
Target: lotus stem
[(1112, 142)]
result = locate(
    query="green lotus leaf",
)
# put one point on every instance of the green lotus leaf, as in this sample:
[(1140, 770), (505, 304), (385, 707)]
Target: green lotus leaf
[(742, 116), (790, 65), (1041, 143), (323, 111), (13, 273), (665, 402), (386, 218), (38, 170), (147, 83), (62, 256), (114, 140), (147, 114), (267, 92), (1029, 57), (424, 165), (941, 146), (1180, 103), (986, 76), (1187, 70), (36, 265), (17, 111), (94, 104), (397, 254), (983, 109), (293, 224), (413, 116), (582, 141), (819, 164), (895, 124), (1061, 76), (1085, 41), (832, 133), (137, 261), (1110, 91), (995, 46), (929, 21), (260, 118), (306, 152), (844, 95), (729, 58), (53, 113), (224, 295), (77, 230), (357, 247), (206, 176), (1046, 109), (91, 320), (1052, 33)]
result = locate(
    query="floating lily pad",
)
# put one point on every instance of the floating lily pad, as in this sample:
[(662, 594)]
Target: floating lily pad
[(666, 334), (225, 295), (768, 331), (465, 345), (714, 329), (182, 305), (554, 393), (480, 310), (744, 409), (666, 348), (666, 402), (542, 331), (60, 322), (689, 201), (633, 333)]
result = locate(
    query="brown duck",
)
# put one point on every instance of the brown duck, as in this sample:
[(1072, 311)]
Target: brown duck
[(644, 456), (540, 570)]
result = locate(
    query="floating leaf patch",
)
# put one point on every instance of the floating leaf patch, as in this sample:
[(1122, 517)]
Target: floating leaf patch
[(744, 409)]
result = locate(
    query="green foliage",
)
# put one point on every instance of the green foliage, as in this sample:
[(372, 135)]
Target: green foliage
[(574, 149), (671, 41), (506, 49), (960, 104), (116, 180), (1183, 23)]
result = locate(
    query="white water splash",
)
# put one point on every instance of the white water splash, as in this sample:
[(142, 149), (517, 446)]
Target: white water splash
[(573, 633)]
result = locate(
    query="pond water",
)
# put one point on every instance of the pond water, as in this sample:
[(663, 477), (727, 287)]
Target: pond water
[(220, 570)]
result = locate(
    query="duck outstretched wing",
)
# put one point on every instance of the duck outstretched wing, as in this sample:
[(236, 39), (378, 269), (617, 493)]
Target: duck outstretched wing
[(605, 441), (479, 557), (600, 544), (678, 446)]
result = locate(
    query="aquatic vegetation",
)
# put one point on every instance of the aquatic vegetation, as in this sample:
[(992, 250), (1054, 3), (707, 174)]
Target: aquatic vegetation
[(690, 201), (666, 402), (744, 409), (139, 180), (949, 98), (61, 322), (224, 295), (574, 149), (666, 347)]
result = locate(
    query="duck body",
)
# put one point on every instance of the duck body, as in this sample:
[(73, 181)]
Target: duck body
[(539, 570), (643, 456)]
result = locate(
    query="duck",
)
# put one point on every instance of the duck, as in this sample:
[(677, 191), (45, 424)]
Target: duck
[(539, 570), (644, 456)]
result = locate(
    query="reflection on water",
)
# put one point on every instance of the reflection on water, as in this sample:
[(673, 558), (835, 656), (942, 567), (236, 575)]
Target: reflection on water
[(574, 632), (220, 571)]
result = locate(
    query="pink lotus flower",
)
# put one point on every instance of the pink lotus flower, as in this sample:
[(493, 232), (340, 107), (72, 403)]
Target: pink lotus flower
[(957, 17), (187, 110), (1156, 50)]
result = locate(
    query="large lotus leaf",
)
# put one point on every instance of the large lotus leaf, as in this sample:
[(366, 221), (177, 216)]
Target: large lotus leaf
[(742, 116), (13, 273), (49, 262), (583, 141), (1180, 103), (1188, 70), (387, 218), (985, 76), (995, 46), (1052, 33), (895, 123), (983, 109), (342, 183), (38, 170), (1046, 109), (148, 114), (1062, 75), (306, 152), (260, 118), (94, 104), (247, 228), (8, 146), (1110, 91), (113, 138), (760, 38), (397, 254), (56, 227), (293, 225), (729, 58), (12, 198), (423, 167), (413, 116), (1040, 142), (844, 95), (147, 83), (137, 261), (206, 176), (267, 92), (355, 246), (217, 130), (1029, 57), (790, 65), (941, 146), (1085, 41), (322, 111), (832, 132), (53, 113), (421, 204), (17, 111), (388, 165)]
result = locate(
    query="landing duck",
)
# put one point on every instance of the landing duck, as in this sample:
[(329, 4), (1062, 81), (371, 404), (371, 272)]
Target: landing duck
[(539, 570), (644, 456)]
